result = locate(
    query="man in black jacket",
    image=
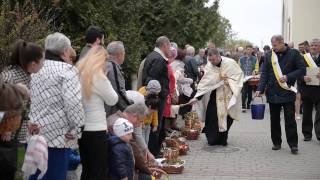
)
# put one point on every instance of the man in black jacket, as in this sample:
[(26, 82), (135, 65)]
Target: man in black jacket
[(155, 68), (280, 91), (311, 94)]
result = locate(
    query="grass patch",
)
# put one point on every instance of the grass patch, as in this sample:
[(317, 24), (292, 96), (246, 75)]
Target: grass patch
[(21, 152)]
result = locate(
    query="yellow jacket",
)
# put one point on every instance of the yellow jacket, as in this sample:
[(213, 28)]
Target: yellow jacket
[(151, 118)]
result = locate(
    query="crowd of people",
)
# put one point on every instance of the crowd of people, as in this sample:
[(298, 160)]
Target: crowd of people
[(61, 104), (66, 104)]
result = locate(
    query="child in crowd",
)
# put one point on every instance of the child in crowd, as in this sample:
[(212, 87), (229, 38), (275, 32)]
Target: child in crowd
[(151, 92), (121, 155)]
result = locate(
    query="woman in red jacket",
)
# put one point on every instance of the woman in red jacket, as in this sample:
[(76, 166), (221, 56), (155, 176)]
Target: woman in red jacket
[(170, 122)]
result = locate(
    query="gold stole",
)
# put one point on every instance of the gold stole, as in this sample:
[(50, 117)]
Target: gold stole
[(308, 58), (278, 73)]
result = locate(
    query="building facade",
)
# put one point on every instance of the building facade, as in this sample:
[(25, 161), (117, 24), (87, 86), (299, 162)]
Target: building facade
[(300, 20)]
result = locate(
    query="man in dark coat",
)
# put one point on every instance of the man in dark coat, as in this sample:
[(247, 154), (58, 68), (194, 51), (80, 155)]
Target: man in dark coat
[(280, 91), (311, 94), (155, 68)]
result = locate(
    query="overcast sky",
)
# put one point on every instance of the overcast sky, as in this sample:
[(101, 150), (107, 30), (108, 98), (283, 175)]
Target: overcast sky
[(253, 20)]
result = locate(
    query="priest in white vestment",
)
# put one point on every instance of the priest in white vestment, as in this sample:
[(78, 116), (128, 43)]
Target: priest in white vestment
[(219, 91)]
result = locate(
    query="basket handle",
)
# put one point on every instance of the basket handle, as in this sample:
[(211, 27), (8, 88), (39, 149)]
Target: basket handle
[(173, 133)]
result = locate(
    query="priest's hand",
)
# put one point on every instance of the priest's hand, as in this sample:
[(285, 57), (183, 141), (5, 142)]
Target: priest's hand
[(283, 79), (306, 78), (258, 94)]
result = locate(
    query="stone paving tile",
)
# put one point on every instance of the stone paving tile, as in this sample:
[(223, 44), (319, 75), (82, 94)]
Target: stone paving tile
[(249, 156)]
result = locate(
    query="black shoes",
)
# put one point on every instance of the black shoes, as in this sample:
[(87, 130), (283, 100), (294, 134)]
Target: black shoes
[(276, 147), (244, 109), (294, 150), (307, 139)]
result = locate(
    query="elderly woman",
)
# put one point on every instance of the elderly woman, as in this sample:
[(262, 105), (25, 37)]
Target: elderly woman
[(56, 105), (183, 84), (170, 119)]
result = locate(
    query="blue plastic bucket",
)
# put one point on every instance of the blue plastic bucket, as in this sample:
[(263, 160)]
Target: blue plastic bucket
[(257, 110), (74, 159)]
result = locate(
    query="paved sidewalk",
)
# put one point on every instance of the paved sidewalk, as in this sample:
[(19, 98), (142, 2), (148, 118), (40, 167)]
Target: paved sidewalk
[(249, 156)]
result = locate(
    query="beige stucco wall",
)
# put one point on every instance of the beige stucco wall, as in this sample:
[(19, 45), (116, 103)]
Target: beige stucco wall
[(301, 20)]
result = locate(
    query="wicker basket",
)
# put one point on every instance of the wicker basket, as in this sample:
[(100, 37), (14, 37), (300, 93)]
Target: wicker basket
[(171, 154), (182, 146), (169, 142), (192, 134), (187, 123), (197, 126), (253, 81), (173, 169), (184, 131), (192, 121), (157, 172), (183, 149)]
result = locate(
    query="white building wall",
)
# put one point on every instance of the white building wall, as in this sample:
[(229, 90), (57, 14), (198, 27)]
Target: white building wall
[(300, 20)]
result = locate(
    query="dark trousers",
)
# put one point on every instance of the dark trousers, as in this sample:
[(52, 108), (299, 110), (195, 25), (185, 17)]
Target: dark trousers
[(307, 123), (8, 160), (156, 138), (246, 95), (58, 162), (290, 123), (93, 147)]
